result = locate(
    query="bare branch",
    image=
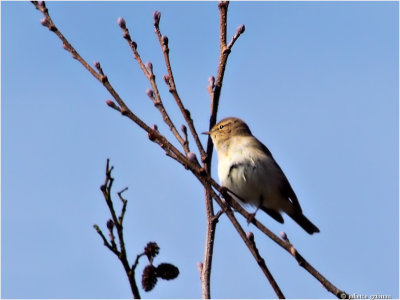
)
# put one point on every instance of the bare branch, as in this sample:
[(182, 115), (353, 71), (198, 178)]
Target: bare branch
[(215, 91), (117, 222), (106, 243), (170, 81), (148, 72), (264, 268)]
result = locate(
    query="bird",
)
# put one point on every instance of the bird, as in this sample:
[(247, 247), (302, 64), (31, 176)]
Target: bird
[(247, 169)]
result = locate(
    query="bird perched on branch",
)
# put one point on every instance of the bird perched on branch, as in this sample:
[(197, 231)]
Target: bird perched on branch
[(251, 175)]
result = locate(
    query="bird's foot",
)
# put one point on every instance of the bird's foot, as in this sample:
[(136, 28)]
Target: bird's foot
[(251, 217)]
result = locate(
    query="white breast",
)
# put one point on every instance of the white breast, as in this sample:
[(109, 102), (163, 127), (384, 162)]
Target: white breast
[(249, 173)]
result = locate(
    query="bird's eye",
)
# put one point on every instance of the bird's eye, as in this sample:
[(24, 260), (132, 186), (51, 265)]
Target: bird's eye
[(221, 126)]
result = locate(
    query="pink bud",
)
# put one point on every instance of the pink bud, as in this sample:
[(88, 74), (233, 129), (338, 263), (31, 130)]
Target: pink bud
[(250, 235), (165, 40), (110, 103), (211, 81), (184, 129), (192, 157), (166, 79), (155, 127), (126, 36), (110, 224), (64, 46), (283, 236), (200, 266), (150, 93), (240, 29), (149, 67), (121, 23), (96, 64), (44, 22), (157, 17)]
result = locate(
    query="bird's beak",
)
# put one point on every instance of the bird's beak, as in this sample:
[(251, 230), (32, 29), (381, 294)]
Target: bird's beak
[(206, 132)]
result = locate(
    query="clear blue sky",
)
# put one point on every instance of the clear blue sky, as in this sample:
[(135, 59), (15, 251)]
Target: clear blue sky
[(316, 82)]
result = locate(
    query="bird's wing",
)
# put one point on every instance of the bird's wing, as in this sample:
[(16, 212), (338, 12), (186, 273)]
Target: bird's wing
[(286, 188)]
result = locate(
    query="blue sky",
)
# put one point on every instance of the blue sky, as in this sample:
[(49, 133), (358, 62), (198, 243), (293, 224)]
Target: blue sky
[(316, 82)]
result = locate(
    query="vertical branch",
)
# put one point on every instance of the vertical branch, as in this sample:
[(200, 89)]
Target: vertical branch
[(211, 225), (215, 92), (117, 222)]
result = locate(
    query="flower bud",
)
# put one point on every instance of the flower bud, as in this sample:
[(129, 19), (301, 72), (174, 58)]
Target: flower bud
[(155, 127), (149, 67), (111, 104), (250, 236), (151, 136), (121, 23), (165, 40), (192, 157), (110, 224), (157, 17), (283, 236), (240, 29), (184, 129), (126, 36), (150, 93), (45, 22), (211, 81), (200, 266), (97, 65), (166, 79), (104, 78), (187, 113), (133, 44)]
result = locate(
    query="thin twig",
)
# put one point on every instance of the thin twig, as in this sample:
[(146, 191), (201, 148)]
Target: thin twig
[(125, 111), (117, 222), (148, 72), (171, 84), (264, 268), (106, 243)]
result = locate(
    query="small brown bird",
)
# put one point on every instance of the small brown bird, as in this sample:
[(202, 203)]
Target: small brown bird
[(248, 170)]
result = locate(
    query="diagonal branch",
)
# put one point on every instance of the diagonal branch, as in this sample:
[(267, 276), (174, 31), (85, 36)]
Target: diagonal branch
[(154, 94), (170, 81), (123, 108), (264, 268)]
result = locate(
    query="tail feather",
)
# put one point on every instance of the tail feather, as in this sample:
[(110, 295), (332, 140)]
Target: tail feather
[(273, 213), (305, 223)]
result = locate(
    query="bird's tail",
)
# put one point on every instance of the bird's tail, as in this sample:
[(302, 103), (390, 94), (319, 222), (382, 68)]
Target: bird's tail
[(305, 223)]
